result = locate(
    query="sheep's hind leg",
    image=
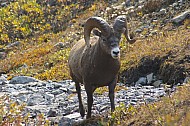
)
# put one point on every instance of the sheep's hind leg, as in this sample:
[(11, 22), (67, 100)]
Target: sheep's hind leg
[(81, 107), (111, 94)]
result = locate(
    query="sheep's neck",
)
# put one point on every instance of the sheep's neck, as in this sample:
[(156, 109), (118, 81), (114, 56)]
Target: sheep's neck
[(102, 59), (99, 68), (102, 67)]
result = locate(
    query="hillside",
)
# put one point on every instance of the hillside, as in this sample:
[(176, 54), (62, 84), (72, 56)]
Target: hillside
[(36, 38), (35, 48)]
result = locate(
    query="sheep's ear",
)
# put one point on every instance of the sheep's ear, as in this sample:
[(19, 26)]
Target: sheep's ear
[(97, 32)]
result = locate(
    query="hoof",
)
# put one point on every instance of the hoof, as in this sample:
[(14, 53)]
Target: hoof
[(88, 116)]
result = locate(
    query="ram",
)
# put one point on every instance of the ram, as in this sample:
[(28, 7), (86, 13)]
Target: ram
[(95, 61)]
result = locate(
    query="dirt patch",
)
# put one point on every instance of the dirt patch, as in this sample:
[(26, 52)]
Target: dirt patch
[(176, 67), (172, 67), (147, 65)]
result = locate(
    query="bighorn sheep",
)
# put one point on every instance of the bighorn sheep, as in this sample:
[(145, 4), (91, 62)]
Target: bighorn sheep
[(95, 61)]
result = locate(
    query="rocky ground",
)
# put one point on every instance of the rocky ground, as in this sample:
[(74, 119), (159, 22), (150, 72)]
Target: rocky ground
[(59, 102)]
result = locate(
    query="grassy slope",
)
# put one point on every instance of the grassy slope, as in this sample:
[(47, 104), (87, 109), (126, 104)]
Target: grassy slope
[(159, 54), (37, 52)]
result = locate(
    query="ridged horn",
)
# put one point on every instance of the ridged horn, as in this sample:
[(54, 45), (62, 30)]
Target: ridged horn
[(120, 26), (95, 22)]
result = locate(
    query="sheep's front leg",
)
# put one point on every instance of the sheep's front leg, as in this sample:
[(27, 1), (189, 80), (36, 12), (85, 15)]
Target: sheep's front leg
[(89, 90), (111, 93), (81, 107)]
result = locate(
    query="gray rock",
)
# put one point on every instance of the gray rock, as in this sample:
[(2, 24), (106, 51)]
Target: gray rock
[(142, 81), (14, 44), (22, 80), (61, 45), (174, 4), (48, 96), (4, 4), (180, 18), (148, 87), (154, 32), (23, 98), (2, 94), (56, 92), (64, 89), (10, 90), (160, 93), (68, 120), (72, 86), (3, 80), (133, 103), (52, 113), (3, 55), (35, 99), (134, 100), (139, 96), (186, 80), (139, 8), (50, 86), (36, 109), (149, 78), (157, 83), (104, 107), (128, 3), (149, 99), (57, 85), (139, 30), (162, 11)]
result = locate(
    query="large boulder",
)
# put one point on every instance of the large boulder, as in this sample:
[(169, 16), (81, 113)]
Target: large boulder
[(22, 80), (180, 18)]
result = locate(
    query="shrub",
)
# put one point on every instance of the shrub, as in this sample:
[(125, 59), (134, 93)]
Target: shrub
[(12, 113)]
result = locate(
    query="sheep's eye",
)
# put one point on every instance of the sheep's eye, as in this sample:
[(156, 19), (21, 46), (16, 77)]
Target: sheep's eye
[(113, 45), (104, 39)]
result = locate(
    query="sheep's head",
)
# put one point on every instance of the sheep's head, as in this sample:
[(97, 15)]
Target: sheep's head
[(109, 36)]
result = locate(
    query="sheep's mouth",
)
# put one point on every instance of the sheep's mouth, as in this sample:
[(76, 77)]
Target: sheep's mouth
[(115, 56)]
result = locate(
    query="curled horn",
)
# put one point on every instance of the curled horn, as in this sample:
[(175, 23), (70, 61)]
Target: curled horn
[(95, 22), (120, 26)]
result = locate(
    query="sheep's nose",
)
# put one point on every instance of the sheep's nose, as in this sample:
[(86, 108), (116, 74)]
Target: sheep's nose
[(116, 52)]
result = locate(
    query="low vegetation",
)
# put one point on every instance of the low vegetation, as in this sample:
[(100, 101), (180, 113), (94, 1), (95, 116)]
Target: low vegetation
[(36, 55), (11, 113)]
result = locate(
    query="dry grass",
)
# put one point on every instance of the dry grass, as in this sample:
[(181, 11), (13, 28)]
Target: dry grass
[(157, 46), (11, 114), (155, 54), (172, 110)]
